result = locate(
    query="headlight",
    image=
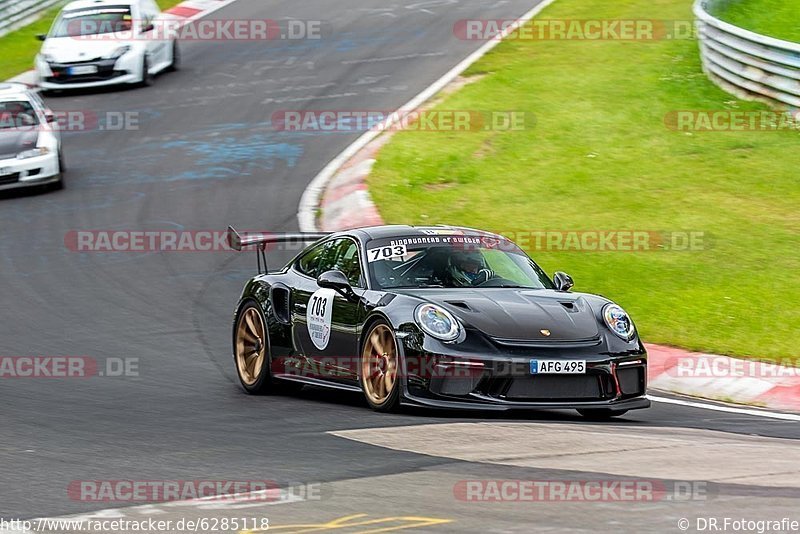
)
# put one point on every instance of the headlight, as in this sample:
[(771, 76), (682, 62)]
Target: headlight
[(437, 322), (618, 321), (119, 52), (47, 58), (34, 152)]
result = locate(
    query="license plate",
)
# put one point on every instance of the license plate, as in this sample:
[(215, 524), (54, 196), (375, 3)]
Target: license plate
[(82, 69), (5, 171), (558, 367)]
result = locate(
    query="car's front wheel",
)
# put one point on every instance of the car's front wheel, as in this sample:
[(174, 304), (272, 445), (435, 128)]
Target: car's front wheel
[(147, 78), (380, 362), (61, 170), (175, 64)]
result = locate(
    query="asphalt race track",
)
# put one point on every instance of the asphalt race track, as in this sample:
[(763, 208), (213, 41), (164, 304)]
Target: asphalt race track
[(205, 156)]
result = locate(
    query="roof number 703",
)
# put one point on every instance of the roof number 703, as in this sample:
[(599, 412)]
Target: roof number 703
[(386, 253)]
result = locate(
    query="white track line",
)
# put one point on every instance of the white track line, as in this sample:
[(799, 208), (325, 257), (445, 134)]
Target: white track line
[(727, 409), (307, 211)]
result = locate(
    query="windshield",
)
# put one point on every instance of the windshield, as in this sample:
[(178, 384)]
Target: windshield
[(93, 21), (17, 114), (451, 261)]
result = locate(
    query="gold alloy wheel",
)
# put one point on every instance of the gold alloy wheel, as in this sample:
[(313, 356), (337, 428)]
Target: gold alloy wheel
[(250, 346), (379, 364)]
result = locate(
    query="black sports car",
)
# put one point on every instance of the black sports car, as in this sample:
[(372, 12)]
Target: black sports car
[(433, 316)]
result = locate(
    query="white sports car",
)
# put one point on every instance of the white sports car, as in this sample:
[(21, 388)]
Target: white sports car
[(93, 43), (30, 142)]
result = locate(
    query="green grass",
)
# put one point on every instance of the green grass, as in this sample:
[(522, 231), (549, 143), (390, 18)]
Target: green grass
[(776, 18), (601, 158), (19, 47)]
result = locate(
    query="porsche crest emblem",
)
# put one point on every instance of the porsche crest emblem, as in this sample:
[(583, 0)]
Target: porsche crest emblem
[(545, 332)]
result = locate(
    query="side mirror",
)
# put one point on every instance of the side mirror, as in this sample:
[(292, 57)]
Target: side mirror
[(50, 116), (337, 281), (148, 27), (41, 36), (563, 281)]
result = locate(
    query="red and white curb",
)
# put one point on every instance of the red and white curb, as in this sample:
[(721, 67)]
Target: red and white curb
[(759, 383), (187, 11)]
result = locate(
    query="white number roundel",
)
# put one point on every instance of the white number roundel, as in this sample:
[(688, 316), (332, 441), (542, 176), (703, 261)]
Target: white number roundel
[(318, 317)]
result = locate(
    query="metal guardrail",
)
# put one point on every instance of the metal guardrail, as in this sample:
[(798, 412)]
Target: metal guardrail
[(745, 63), (17, 13)]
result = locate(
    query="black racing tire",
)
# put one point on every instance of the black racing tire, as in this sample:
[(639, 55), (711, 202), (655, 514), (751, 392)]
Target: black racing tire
[(147, 78), (378, 344), (62, 169), (176, 57), (601, 414)]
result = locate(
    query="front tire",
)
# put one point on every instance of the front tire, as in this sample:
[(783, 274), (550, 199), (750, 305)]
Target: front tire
[(59, 185), (380, 360), (147, 78), (176, 58), (601, 414)]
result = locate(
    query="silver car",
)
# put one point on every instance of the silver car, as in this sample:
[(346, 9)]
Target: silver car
[(30, 142)]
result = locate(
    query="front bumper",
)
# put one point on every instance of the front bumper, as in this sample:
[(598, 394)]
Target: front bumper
[(499, 378), (109, 72), (17, 173)]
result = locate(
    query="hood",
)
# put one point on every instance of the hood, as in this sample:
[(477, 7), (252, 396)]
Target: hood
[(13, 141), (73, 50), (519, 314)]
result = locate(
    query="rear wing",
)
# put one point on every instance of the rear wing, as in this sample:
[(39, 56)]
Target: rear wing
[(260, 241)]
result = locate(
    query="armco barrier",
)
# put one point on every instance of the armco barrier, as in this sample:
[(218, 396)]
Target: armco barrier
[(17, 13), (745, 63)]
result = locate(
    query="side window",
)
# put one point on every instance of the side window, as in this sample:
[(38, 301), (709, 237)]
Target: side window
[(345, 259), (308, 264), (339, 254)]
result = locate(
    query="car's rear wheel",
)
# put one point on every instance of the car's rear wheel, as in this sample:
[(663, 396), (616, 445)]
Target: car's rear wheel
[(251, 351), (380, 362), (250, 346), (601, 414)]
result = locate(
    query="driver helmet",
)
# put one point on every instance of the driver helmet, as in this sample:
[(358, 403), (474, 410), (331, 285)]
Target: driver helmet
[(465, 267)]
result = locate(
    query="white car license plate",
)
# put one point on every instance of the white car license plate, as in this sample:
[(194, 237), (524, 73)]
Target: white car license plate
[(558, 367), (82, 69)]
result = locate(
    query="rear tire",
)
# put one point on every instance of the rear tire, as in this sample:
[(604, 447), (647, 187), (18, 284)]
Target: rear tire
[(251, 353), (378, 368), (601, 414)]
